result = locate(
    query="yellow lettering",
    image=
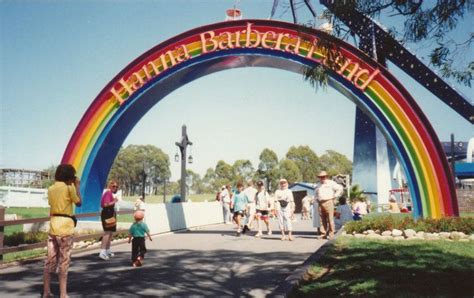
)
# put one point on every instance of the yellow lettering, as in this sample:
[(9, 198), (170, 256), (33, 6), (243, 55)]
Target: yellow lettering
[(369, 79), (296, 46), (116, 95), (225, 41), (237, 39), (171, 57), (204, 41), (264, 39), (248, 42), (314, 44), (279, 39), (182, 53)]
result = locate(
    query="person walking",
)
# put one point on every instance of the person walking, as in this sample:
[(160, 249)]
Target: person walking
[(108, 217), (306, 206), (224, 198), (263, 207), (325, 193), (62, 196), (250, 192), (343, 213), (137, 231), (284, 198), (239, 204)]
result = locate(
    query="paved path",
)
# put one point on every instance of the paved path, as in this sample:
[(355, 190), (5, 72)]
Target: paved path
[(209, 261)]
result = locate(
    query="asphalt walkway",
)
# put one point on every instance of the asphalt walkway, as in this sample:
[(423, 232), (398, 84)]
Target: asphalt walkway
[(209, 261)]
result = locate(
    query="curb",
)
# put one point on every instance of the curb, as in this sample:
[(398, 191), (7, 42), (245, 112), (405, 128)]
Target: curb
[(294, 279)]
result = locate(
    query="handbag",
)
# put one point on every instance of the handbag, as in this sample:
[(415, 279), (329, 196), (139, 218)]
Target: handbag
[(110, 222), (283, 203)]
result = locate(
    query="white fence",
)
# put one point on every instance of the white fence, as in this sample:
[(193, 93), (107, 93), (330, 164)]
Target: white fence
[(11, 196)]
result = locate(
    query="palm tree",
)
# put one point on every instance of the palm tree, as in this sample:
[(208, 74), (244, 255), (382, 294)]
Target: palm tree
[(357, 194)]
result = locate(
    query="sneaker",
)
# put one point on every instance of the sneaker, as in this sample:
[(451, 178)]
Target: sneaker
[(258, 235), (269, 233), (245, 229), (110, 254), (104, 256)]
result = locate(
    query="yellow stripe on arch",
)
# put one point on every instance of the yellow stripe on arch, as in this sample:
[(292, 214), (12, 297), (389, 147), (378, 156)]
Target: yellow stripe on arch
[(421, 151), (91, 129)]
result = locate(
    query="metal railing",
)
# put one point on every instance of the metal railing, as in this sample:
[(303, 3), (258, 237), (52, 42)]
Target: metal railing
[(23, 247)]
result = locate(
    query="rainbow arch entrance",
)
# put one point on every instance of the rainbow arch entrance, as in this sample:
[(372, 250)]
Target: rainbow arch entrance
[(260, 43)]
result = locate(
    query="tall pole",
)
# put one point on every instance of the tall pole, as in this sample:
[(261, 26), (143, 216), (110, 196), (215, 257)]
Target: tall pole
[(453, 158), (164, 192), (182, 147)]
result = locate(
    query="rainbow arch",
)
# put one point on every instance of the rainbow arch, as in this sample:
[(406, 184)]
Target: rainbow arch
[(208, 49)]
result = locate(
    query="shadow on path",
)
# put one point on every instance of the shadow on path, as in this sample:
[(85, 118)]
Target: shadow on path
[(174, 272)]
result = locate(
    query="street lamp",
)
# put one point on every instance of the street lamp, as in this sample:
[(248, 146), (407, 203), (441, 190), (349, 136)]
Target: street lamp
[(182, 147)]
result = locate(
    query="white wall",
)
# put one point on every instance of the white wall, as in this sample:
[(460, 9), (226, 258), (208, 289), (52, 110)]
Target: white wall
[(177, 216), (23, 197), (160, 218)]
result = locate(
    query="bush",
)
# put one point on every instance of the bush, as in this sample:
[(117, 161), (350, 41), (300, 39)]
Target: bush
[(387, 222), (18, 238)]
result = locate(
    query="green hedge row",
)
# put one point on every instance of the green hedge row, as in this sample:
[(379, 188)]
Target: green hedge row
[(18, 238), (388, 222)]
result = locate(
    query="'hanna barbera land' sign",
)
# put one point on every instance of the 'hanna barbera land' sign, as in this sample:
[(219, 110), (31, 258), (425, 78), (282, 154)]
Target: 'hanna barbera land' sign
[(239, 37)]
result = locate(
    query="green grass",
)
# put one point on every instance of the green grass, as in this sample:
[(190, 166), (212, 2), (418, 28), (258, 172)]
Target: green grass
[(159, 198), (361, 267), (24, 255), (23, 213)]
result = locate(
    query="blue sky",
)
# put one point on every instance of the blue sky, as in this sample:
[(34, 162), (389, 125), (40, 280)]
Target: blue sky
[(55, 57)]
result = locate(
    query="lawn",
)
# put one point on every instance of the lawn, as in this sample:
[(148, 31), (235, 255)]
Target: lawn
[(23, 213), (361, 267)]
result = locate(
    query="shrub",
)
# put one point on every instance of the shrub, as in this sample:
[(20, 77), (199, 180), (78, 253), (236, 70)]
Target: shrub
[(385, 222), (18, 238)]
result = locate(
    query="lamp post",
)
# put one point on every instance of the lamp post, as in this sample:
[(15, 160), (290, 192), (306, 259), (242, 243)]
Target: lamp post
[(144, 176), (182, 147)]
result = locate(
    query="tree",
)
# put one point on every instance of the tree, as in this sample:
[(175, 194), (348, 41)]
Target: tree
[(209, 181), (195, 182), (306, 160), (268, 167), (335, 163), (289, 170), (424, 23), (243, 170), (51, 171), (135, 160), (224, 173)]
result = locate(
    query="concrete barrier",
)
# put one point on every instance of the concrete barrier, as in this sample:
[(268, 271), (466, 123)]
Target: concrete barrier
[(160, 218)]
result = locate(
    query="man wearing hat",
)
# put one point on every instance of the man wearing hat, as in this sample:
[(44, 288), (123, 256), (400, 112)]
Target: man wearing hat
[(325, 193)]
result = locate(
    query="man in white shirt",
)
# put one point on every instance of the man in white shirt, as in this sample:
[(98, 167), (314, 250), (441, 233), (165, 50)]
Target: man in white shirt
[(250, 192), (325, 193), (224, 198)]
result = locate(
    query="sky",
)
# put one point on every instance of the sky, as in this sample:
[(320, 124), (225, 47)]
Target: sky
[(56, 56)]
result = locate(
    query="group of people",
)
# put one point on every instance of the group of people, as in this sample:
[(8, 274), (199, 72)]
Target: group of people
[(246, 205), (62, 196)]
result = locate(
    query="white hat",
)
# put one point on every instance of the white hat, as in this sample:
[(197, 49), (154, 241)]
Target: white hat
[(283, 180), (322, 174)]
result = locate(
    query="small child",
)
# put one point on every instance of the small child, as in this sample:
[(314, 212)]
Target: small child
[(138, 230)]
